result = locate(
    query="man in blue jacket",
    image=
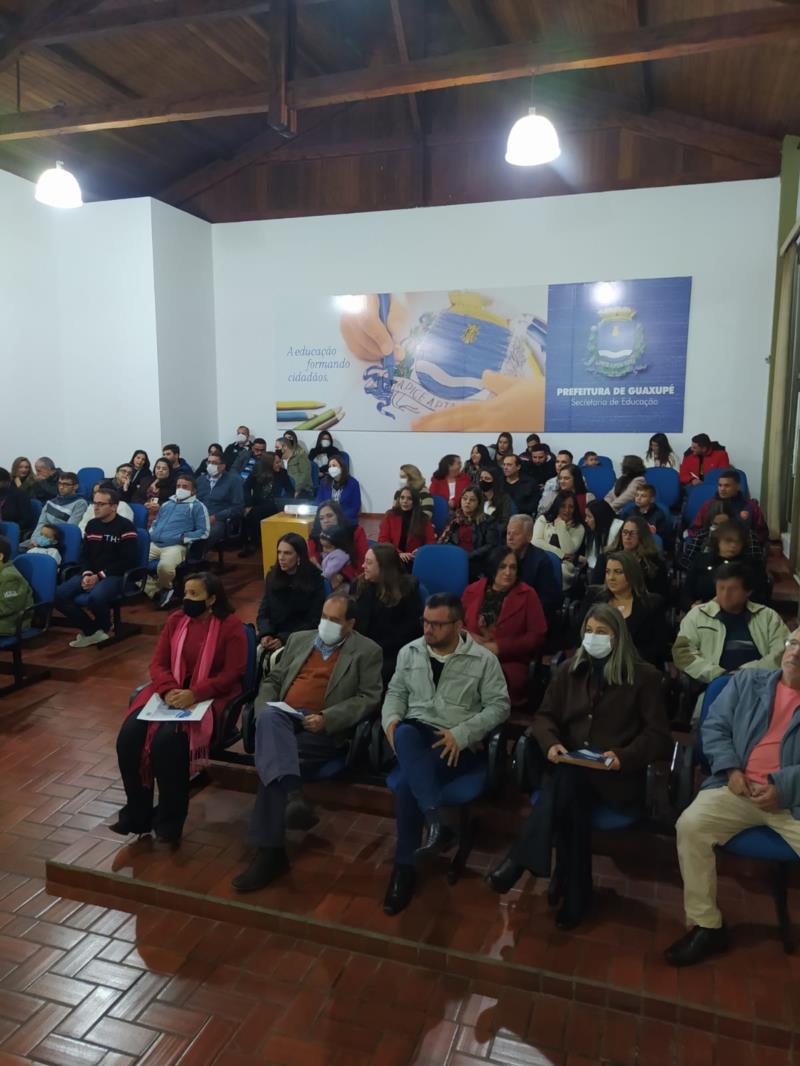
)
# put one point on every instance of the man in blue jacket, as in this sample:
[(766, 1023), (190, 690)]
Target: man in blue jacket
[(181, 520), (223, 496), (751, 739)]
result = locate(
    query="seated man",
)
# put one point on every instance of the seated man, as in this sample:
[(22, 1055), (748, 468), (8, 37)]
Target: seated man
[(247, 458), (729, 488), (702, 455), (181, 520), (550, 488), (172, 453), (108, 552), (46, 473), (332, 676), (234, 450), (15, 592), (447, 694), (752, 745), (65, 508), (644, 504), (535, 569), (124, 509), (730, 632), (15, 505), (223, 496), (523, 490)]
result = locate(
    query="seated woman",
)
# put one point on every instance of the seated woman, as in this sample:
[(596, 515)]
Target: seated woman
[(504, 615), (624, 489), (635, 537), (388, 604), (161, 488), (293, 595), (406, 526), (294, 456), (22, 475), (560, 530), (323, 451), (140, 478), (479, 459), (266, 489), (201, 655), (660, 453), (602, 526), (331, 516), (503, 446), (603, 698), (449, 480), (570, 479), (624, 589), (411, 476), (720, 512), (213, 449), (339, 486), (727, 544), (473, 530)]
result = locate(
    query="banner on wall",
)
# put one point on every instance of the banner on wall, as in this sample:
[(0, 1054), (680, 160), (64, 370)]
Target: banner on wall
[(568, 357)]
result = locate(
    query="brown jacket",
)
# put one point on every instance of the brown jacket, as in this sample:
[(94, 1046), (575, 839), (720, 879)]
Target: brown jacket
[(630, 720)]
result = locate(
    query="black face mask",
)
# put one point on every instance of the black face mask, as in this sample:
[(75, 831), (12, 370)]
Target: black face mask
[(487, 486), (194, 608)]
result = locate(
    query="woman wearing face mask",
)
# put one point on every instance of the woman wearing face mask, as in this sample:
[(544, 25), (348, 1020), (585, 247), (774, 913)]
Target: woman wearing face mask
[(388, 604), (201, 655), (141, 476), (449, 480), (473, 530), (213, 449), (624, 589), (160, 489), (293, 595), (298, 465), (266, 486), (411, 476), (340, 487), (331, 516), (323, 451), (727, 544), (604, 699), (479, 459), (496, 502), (560, 530), (406, 526), (504, 615), (635, 537)]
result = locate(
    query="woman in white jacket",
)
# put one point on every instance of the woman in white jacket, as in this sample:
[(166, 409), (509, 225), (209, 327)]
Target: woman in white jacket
[(560, 530)]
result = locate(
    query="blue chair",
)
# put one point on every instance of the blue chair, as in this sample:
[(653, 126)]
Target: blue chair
[(441, 513), (712, 478), (599, 480), (555, 563), (667, 485), (88, 476), (696, 497), (139, 515), (602, 460), (346, 457), (40, 572), (315, 478), (133, 582), (442, 568), (36, 509), (759, 842), (11, 531), (72, 542)]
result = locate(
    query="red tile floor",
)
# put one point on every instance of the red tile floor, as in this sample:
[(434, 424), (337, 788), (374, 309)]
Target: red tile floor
[(311, 971)]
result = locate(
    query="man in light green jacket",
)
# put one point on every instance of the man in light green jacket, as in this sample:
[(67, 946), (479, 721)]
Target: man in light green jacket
[(730, 632), (447, 694), (15, 592)]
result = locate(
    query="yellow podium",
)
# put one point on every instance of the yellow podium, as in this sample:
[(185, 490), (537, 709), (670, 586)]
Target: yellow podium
[(274, 527)]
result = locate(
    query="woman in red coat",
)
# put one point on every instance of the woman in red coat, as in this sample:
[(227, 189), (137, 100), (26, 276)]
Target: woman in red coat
[(406, 526), (331, 516), (449, 481), (201, 655), (504, 615)]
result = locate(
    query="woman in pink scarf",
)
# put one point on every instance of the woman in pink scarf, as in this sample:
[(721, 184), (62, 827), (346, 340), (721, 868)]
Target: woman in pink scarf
[(201, 655)]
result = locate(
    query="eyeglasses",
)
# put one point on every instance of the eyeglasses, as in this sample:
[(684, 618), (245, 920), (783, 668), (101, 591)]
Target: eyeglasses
[(436, 625), (791, 643)]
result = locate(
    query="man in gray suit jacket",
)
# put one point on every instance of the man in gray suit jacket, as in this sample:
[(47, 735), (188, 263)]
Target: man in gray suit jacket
[(330, 679)]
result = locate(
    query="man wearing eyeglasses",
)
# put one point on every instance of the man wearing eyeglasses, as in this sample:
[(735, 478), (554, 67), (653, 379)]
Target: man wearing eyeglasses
[(66, 508), (447, 694), (751, 740)]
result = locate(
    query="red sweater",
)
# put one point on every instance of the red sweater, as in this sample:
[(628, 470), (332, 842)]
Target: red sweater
[(714, 459), (360, 549), (392, 527), (440, 486)]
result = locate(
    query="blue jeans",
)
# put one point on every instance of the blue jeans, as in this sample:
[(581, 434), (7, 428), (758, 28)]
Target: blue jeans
[(424, 775), (100, 600)]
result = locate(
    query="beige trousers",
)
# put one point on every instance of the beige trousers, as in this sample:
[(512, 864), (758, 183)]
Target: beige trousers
[(169, 559), (714, 816)]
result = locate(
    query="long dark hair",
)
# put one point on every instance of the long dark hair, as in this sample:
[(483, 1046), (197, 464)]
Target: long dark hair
[(732, 528), (345, 468), (603, 515), (551, 514), (418, 521), (443, 469), (486, 459), (264, 469), (343, 523), (393, 585), (659, 449), (164, 488), (632, 570), (509, 438), (632, 467), (319, 447), (577, 479), (146, 468), (493, 561), (307, 575), (647, 553), (214, 587), (479, 516)]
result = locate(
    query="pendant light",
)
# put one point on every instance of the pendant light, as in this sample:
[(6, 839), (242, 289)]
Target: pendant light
[(532, 140), (57, 187)]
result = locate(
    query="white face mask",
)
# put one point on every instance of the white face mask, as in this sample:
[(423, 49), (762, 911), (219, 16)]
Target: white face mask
[(325, 444), (182, 494), (240, 438), (334, 472), (212, 469), (598, 645), (330, 633)]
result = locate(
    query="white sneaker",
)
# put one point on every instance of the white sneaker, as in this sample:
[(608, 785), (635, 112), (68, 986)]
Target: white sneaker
[(82, 641)]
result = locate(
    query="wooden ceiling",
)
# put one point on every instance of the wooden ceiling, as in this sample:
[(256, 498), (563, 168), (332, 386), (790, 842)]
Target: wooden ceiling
[(270, 108)]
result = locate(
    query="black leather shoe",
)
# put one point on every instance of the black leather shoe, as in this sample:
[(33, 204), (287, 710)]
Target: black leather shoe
[(400, 890), (505, 876), (566, 919), (299, 812), (696, 945), (125, 828), (440, 837), (268, 865)]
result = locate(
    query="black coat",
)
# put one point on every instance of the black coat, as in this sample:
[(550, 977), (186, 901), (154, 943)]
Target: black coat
[(15, 506), (286, 609), (390, 627), (526, 494), (485, 536)]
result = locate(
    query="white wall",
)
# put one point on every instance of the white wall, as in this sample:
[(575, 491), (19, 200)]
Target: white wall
[(722, 235)]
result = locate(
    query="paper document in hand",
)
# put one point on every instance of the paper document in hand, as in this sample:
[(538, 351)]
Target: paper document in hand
[(280, 706), (156, 710)]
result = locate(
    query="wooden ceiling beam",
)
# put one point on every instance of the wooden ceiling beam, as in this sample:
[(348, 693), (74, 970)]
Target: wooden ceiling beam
[(37, 18), (281, 36), (504, 62), (402, 49), (474, 21)]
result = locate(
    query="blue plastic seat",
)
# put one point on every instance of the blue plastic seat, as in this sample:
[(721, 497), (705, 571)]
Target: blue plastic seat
[(40, 571), (72, 542), (442, 568), (133, 582), (667, 484), (36, 508), (599, 480), (88, 476), (712, 478), (139, 515), (696, 496), (441, 513), (10, 530), (555, 563)]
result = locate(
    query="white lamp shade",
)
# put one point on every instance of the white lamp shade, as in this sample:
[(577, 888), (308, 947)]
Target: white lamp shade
[(532, 141), (58, 188)]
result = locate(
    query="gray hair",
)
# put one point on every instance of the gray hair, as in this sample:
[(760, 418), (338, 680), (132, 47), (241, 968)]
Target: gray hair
[(46, 462), (620, 667), (525, 521)]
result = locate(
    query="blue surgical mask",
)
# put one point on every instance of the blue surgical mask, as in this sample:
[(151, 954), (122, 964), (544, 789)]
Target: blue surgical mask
[(42, 541)]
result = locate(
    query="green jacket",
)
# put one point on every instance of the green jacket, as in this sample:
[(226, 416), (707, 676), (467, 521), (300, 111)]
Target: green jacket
[(470, 700), (15, 596), (299, 470), (354, 690), (701, 639)]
